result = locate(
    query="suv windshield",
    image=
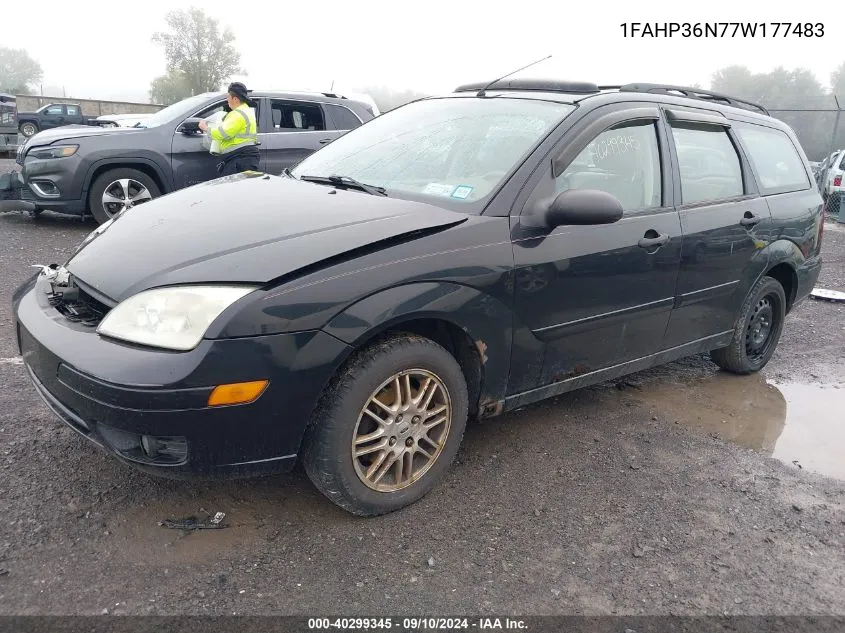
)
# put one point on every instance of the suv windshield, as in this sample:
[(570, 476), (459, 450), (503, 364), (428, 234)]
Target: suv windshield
[(181, 108), (452, 150)]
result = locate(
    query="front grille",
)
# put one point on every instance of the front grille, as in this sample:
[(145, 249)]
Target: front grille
[(78, 306)]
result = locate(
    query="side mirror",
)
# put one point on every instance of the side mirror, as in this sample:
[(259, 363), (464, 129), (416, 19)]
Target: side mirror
[(583, 206), (190, 126)]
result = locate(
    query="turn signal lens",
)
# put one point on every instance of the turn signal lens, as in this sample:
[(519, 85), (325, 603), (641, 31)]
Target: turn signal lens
[(237, 393)]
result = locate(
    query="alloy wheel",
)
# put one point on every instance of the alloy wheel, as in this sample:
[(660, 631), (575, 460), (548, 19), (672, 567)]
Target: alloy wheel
[(124, 194), (401, 430)]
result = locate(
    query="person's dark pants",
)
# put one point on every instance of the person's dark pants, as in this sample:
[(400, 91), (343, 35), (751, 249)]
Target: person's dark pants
[(246, 159)]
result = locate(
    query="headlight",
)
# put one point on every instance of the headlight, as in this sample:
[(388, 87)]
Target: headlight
[(171, 318), (54, 151)]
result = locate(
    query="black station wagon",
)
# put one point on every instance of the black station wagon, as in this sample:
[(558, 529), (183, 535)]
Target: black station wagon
[(452, 259)]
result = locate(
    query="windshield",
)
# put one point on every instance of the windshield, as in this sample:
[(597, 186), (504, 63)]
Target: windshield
[(182, 108), (454, 151)]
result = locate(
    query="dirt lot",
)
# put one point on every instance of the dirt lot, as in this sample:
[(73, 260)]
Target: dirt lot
[(677, 491)]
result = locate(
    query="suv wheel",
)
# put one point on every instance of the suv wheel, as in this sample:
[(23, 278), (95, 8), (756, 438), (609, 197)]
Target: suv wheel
[(388, 427), (28, 129), (119, 189), (758, 330)]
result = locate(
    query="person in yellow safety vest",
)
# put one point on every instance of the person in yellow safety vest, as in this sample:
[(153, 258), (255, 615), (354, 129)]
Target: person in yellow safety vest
[(237, 134)]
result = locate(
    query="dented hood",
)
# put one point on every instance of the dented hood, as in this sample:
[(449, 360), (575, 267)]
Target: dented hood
[(241, 229)]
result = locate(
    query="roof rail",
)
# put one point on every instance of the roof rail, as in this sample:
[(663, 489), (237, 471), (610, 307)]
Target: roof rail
[(537, 85), (692, 93)]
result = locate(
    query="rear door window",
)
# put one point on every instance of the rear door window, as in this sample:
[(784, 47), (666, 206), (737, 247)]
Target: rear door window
[(73, 110), (774, 157), (709, 163), (294, 116)]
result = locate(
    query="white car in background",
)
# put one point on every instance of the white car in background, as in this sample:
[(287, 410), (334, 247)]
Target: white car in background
[(122, 120), (832, 174)]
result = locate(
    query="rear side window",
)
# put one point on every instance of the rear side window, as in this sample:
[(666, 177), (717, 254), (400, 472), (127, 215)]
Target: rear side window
[(293, 116), (342, 117), (775, 159), (73, 110), (709, 164)]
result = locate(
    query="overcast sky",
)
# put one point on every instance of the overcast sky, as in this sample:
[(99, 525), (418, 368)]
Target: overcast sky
[(102, 49)]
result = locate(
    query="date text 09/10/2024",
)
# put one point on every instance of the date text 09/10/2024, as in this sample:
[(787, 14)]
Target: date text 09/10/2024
[(722, 29), (416, 624)]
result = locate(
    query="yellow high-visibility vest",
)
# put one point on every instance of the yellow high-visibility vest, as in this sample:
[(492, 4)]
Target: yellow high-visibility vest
[(237, 129)]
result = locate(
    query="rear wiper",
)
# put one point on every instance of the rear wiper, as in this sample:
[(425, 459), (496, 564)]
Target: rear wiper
[(346, 181)]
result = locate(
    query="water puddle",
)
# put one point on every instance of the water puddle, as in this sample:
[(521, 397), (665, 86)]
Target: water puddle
[(792, 422)]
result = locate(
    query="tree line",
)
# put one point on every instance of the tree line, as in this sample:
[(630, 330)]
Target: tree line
[(201, 56)]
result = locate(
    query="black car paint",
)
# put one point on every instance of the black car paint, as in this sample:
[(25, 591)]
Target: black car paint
[(408, 265), (172, 159)]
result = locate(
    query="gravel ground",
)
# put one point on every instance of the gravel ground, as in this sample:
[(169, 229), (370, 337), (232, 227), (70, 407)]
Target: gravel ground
[(605, 501)]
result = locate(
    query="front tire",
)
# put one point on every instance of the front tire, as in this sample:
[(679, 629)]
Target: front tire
[(758, 330), (388, 427), (117, 189)]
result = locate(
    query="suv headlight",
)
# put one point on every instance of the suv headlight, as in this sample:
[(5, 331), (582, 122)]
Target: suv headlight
[(173, 318), (54, 151)]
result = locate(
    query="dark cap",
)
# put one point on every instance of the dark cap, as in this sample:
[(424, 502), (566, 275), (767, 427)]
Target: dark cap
[(239, 90)]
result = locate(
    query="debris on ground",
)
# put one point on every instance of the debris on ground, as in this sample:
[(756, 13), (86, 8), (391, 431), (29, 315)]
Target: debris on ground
[(192, 523), (827, 295), (4, 571)]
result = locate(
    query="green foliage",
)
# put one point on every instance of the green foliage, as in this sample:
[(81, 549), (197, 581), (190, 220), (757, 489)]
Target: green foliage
[(169, 88), (18, 71), (200, 57), (796, 97)]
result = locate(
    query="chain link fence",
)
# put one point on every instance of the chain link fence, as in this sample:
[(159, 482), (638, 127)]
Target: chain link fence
[(819, 124)]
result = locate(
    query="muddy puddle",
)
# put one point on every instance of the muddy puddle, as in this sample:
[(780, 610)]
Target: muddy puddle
[(799, 424)]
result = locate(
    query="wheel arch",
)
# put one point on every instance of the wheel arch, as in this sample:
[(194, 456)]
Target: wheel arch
[(146, 166), (473, 326), (784, 259)]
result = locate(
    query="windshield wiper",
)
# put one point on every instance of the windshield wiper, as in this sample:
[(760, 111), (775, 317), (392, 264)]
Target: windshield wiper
[(346, 181)]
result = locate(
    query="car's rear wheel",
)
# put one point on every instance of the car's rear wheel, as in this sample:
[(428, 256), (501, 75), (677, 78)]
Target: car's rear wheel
[(119, 189), (388, 427), (758, 329), (28, 129)]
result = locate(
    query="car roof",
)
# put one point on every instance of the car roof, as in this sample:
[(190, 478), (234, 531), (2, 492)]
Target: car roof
[(572, 92), (324, 97)]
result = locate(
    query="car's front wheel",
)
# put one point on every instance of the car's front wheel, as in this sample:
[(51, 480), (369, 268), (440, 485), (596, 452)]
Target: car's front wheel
[(388, 427), (119, 189), (757, 331)]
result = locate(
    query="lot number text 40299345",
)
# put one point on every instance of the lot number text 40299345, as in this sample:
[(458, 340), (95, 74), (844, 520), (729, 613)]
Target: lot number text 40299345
[(722, 29)]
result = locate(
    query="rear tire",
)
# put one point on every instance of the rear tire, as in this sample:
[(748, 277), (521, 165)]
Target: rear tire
[(28, 129), (758, 330), (343, 424), (139, 188)]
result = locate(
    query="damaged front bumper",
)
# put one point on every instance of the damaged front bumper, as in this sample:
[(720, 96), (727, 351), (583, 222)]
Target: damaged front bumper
[(14, 194)]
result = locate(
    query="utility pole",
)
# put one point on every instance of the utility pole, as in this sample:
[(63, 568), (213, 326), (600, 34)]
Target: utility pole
[(835, 125)]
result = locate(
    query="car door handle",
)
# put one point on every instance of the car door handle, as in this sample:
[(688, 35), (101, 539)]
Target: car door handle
[(326, 141), (749, 219), (651, 242)]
